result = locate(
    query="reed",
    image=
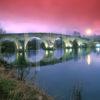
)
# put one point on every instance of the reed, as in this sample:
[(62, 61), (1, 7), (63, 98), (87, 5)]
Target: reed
[(13, 89)]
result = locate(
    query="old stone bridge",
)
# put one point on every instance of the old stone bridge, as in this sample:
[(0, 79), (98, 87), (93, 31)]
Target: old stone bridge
[(21, 40)]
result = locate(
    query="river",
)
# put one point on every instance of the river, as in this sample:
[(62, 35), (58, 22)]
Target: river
[(59, 72)]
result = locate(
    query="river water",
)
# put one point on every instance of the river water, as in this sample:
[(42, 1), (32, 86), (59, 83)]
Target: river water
[(61, 72)]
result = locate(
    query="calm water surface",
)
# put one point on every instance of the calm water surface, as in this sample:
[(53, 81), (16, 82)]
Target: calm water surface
[(59, 72)]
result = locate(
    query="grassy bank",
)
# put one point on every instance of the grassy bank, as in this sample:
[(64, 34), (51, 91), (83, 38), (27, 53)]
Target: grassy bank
[(13, 89)]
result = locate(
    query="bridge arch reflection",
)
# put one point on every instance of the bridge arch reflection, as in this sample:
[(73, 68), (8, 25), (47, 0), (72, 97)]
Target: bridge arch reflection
[(35, 56), (42, 57)]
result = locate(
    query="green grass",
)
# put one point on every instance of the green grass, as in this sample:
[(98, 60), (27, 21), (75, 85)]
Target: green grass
[(13, 89)]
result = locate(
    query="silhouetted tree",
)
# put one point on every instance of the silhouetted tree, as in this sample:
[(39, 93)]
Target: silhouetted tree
[(76, 34), (2, 31)]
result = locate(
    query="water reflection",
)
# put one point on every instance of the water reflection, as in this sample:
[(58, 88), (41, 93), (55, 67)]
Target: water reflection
[(88, 59), (98, 50), (41, 57), (70, 50), (75, 54), (57, 72), (48, 56), (34, 56), (58, 53), (9, 57)]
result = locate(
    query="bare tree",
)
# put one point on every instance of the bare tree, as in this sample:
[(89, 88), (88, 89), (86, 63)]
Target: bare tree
[(2, 31)]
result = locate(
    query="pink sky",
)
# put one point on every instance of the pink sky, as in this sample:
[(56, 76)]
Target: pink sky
[(50, 15)]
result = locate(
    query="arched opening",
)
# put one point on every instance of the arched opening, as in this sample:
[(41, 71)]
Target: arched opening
[(35, 44), (8, 46), (59, 43), (75, 44)]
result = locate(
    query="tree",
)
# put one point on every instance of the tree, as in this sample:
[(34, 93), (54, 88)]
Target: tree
[(2, 31), (77, 34)]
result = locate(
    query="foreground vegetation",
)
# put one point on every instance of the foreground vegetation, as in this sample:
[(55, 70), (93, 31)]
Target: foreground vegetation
[(13, 89)]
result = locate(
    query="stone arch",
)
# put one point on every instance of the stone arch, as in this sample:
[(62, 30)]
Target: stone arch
[(34, 43), (59, 43), (8, 42), (68, 43)]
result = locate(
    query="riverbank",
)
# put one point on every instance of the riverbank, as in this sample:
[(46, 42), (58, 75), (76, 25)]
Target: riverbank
[(13, 89)]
